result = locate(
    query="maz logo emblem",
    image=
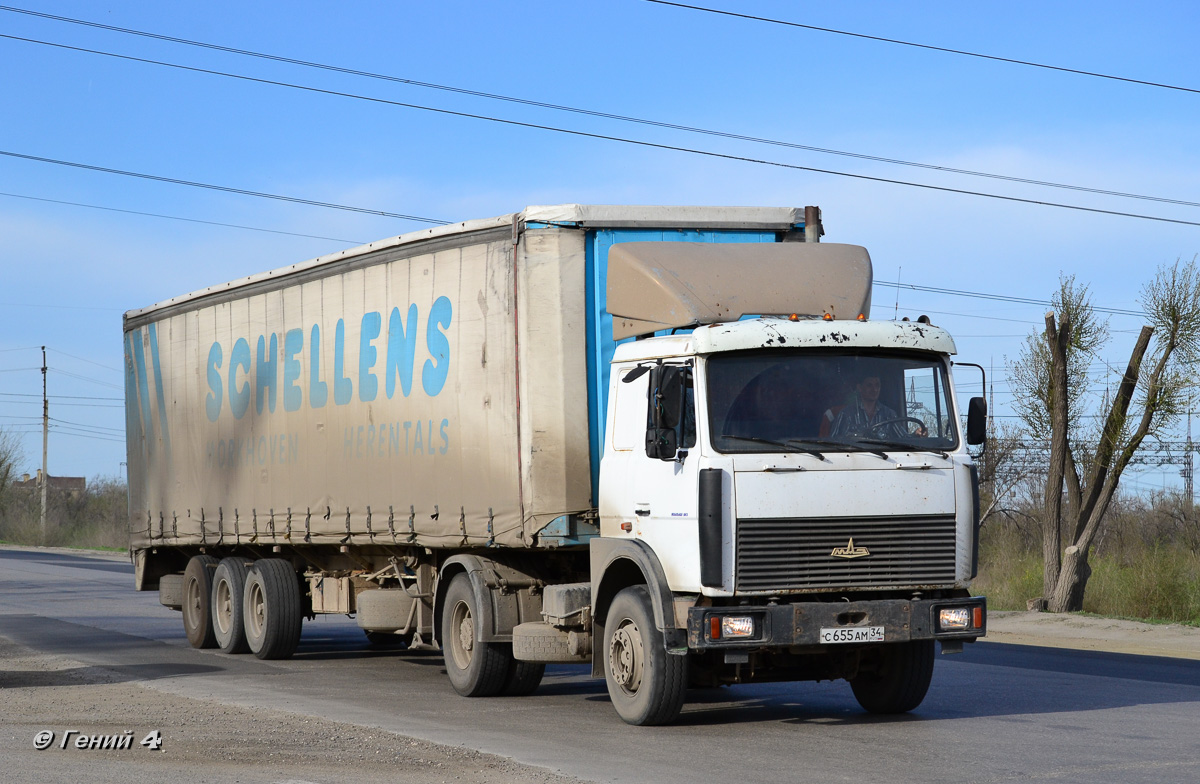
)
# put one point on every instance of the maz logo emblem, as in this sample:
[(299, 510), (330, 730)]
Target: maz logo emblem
[(850, 551)]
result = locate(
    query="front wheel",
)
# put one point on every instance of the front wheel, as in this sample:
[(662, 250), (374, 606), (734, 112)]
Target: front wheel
[(646, 684), (476, 668), (894, 677)]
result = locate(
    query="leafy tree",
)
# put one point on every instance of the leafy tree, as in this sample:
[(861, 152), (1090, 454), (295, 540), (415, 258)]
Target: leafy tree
[(1087, 461)]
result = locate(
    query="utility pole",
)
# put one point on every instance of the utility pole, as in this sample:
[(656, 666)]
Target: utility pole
[(1188, 470), (45, 444)]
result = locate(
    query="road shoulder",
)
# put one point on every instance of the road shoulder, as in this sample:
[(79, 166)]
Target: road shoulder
[(1086, 633)]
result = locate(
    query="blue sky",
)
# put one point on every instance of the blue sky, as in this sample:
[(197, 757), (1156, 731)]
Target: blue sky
[(69, 272)]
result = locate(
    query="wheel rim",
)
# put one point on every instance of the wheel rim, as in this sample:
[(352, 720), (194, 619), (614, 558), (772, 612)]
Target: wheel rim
[(462, 635), (223, 611), (191, 607), (626, 657), (257, 618)]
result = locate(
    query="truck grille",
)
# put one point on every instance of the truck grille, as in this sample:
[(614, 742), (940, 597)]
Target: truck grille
[(795, 554)]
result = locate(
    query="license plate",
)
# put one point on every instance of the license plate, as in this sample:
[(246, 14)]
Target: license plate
[(853, 634)]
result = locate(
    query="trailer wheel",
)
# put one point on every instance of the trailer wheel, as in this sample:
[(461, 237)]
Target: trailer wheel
[(647, 685), (523, 678), (197, 595), (475, 668), (228, 591), (272, 609), (897, 679)]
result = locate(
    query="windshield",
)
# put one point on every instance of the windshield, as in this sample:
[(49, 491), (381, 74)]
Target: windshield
[(781, 401)]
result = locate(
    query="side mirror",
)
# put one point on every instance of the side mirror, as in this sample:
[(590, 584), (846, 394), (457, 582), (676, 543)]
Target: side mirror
[(666, 399), (662, 443), (976, 421)]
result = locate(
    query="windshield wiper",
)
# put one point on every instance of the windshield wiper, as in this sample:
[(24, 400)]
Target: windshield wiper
[(793, 445), (908, 447)]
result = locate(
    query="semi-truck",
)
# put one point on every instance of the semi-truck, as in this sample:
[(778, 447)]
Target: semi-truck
[(668, 442)]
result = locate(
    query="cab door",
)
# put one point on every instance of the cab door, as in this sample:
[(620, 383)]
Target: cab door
[(649, 476)]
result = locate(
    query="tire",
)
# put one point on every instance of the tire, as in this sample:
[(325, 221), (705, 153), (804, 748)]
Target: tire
[(476, 669), (197, 598), (646, 684), (523, 678), (271, 609), (228, 592), (898, 679)]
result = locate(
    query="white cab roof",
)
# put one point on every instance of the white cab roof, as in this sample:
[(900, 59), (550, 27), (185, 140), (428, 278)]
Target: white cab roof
[(771, 332)]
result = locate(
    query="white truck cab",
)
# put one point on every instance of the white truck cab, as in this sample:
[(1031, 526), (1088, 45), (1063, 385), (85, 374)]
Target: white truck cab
[(797, 489)]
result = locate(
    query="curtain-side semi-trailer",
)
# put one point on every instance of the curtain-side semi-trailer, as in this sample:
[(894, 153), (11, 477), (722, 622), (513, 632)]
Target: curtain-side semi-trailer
[(663, 440)]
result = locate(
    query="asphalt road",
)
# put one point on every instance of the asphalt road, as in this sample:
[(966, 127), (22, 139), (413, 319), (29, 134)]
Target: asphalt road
[(994, 713)]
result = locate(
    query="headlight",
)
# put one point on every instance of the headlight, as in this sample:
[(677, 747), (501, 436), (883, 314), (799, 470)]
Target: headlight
[(730, 627), (951, 618)]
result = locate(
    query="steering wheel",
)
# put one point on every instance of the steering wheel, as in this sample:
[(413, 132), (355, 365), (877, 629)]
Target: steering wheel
[(921, 429)]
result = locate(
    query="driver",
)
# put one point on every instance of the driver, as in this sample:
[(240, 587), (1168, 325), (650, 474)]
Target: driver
[(864, 414)]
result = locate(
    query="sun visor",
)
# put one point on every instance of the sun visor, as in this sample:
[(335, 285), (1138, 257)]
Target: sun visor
[(663, 285)]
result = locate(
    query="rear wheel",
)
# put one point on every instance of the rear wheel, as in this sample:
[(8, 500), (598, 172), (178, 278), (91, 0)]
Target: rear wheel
[(647, 685), (894, 677), (271, 608), (197, 598), (228, 589), (475, 668)]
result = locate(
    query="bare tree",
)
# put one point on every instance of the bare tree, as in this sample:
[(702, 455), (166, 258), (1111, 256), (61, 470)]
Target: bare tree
[(1002, 472), (10, 456), (1051, 381)]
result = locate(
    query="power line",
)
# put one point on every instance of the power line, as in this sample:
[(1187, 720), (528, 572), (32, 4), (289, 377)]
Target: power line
[(85, 378), (1000, 297), (223, 188), (178, 218), (114, 430), (586, 112), (930, 47), (519, 124), (85, 359)]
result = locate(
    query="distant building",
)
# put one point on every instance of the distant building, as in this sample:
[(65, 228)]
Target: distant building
[(72, 485)]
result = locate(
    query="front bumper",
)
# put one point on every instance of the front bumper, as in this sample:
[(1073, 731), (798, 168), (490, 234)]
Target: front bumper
[(801, 623)]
